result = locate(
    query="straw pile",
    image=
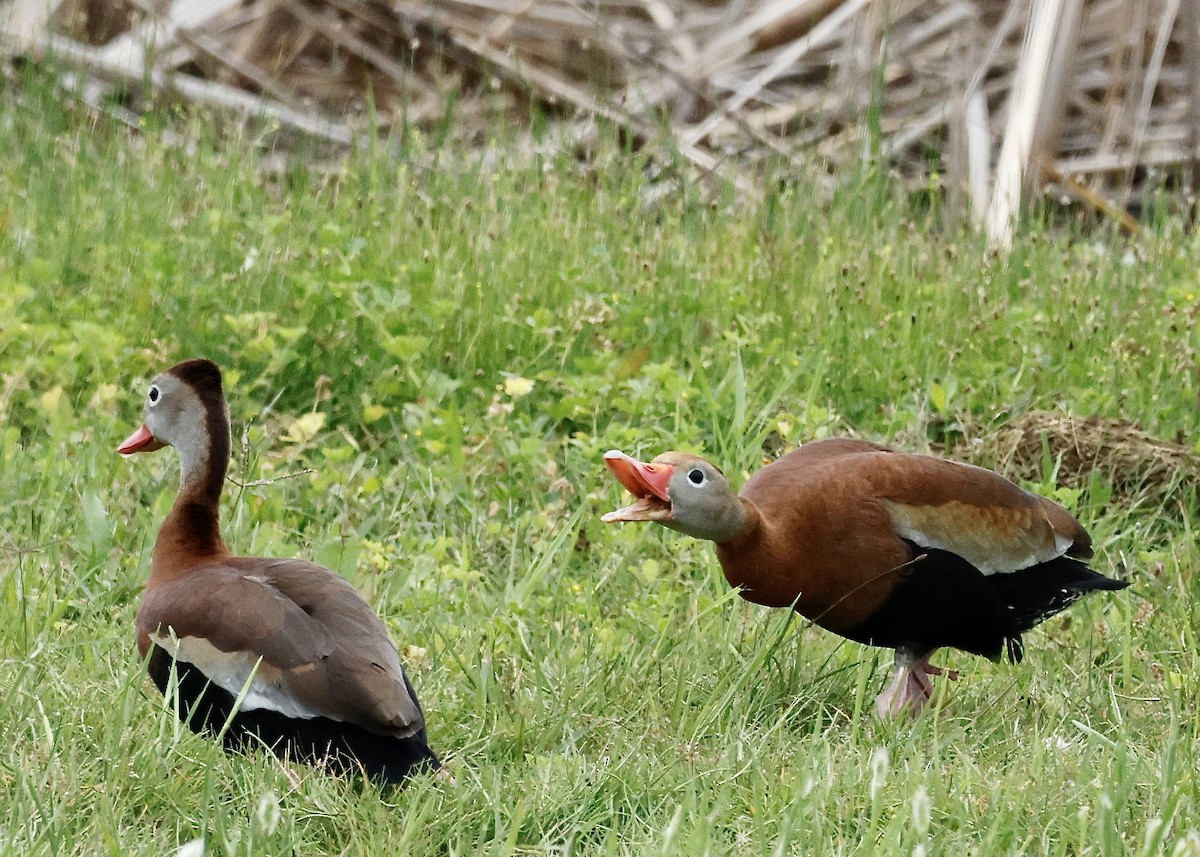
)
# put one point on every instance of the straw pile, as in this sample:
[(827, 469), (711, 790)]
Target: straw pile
[(995, 97), (1074, 450)]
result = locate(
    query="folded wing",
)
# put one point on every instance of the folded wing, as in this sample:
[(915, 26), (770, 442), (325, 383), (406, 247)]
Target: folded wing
[(294, 636)]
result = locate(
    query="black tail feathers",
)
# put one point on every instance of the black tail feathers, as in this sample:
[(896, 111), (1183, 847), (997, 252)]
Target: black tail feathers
[(1025, 599), (342, 748)]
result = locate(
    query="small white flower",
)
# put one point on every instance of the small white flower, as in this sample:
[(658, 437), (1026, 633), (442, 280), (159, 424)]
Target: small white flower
[(195, 848), (921, 810), (267, 814), (879, 770), (1188, 846)]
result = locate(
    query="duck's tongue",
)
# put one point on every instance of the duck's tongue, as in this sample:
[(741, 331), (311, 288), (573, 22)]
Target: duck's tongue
[(647, 482)]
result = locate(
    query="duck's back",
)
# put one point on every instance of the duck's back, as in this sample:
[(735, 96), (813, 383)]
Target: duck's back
[(312, 664)]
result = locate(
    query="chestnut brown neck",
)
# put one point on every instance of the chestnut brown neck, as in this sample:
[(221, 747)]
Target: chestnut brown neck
[(192, 531), (753, 562)]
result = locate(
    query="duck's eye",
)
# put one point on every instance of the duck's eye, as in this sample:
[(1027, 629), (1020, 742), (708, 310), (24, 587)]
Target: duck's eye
[(696, 476), (154, 395)]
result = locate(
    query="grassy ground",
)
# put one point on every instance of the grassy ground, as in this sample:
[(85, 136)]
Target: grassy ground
[(450, 351)]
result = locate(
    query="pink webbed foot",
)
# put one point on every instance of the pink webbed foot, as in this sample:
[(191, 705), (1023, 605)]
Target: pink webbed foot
[(910, 688)]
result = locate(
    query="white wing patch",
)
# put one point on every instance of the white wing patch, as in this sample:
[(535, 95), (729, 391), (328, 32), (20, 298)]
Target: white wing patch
[(994, 540), (1062, 543), (231, 671)]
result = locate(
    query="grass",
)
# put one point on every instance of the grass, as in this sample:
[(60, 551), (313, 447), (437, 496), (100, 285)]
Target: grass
[(450, 351)]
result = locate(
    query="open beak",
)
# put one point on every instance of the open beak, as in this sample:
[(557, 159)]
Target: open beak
[(647, 482), (140, 441)]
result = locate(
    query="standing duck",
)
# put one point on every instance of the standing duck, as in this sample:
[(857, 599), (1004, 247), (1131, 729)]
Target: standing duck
[(908, 552), (316, 673)]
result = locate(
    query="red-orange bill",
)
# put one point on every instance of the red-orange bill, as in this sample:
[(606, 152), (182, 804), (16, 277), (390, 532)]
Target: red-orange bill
[(647, 482), (140, 441)]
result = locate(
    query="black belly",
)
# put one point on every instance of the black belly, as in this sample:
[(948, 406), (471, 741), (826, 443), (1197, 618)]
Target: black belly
[(342, 747), (943, 600)]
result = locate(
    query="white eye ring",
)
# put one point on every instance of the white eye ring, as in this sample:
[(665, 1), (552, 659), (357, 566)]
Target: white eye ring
[(696, 476), (154, 396)]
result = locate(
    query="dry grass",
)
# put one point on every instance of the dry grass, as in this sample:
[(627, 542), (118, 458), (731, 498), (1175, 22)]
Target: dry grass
[(1075, 449), (962, 89)]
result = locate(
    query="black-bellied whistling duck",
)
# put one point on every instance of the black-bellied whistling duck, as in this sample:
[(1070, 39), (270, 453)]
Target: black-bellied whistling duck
[(907, 552), (321, 679)]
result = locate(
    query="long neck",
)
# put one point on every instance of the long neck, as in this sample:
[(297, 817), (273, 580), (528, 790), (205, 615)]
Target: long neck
[(192, 530), (752, 562), (744, 525)]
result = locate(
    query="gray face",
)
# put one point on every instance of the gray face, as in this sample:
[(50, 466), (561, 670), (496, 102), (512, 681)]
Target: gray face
[(702, 503), (175, 415), (161, 411)]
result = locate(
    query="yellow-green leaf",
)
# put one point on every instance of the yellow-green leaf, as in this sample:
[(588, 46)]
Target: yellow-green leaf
[(406, 348), (374, 413), (305, 428), (939, 397), (516, 386), (51, 398)]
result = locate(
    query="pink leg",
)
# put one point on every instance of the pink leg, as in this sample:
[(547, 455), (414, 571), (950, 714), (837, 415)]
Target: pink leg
[(910, 688)]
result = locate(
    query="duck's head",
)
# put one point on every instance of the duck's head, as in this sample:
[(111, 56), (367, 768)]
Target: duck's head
[(177, 409), (680, 491)]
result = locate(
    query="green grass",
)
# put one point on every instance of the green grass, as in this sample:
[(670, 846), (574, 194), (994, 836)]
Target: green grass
[(450, 350)]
